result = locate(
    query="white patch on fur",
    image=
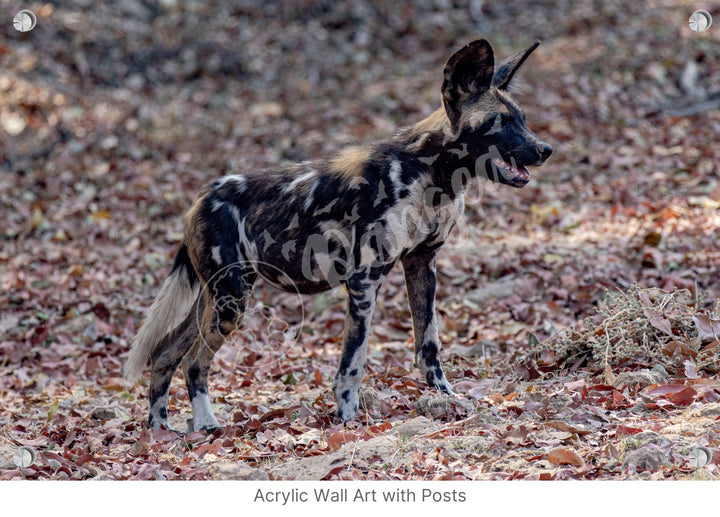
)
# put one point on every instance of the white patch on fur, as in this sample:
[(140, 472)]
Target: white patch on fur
[(217, 205), (203, 415), (402, 226), (235, 213), (169, 309), (395, 173), (300, 179), (251, 251), (448, 217), (413, 219), (239, 180), (240, 184), (333, 227), (407, 221), (431, 332), (309, 198), (323, 266), (367, 255), (215, 253)]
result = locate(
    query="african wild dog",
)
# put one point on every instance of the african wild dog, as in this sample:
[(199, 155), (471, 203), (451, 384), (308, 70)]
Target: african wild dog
[(342, 221)]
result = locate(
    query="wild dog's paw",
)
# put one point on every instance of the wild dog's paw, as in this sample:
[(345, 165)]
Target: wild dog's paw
[(439, 383), (435, 378), (446, 388), (208, 428), (158, 425), (203, 418), (209, 424), (348, 402)]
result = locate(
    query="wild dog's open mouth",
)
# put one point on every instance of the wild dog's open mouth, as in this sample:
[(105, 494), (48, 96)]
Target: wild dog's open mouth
[(513, 175)]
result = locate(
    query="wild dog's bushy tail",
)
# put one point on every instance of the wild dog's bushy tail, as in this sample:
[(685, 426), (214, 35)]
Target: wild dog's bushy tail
[(169, 309)]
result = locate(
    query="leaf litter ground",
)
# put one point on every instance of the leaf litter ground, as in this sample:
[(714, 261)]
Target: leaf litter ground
[(578, 314)]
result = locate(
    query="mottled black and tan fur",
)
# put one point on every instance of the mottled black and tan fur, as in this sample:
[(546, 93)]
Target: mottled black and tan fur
[(343, 221)]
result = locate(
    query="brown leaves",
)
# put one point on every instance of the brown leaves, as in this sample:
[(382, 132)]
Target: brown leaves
[(564, 426), (565, 456), (675, 347), (656, 319), (708, 329), (678, 394), (337, 440), (626, 430), (340, 438)]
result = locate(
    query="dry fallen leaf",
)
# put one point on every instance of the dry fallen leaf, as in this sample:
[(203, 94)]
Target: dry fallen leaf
[(708, 328), (564, 456), (337, 440), (657, 320), (675, 346), (564, 426)]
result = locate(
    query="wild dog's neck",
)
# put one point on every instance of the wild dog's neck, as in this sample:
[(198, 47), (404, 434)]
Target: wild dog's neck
[(432, 141)]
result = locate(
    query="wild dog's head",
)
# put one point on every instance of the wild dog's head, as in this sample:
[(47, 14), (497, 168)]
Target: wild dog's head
[(483, 116)]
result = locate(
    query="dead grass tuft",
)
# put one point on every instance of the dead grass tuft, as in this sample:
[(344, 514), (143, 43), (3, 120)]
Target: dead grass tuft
[(647, 326)]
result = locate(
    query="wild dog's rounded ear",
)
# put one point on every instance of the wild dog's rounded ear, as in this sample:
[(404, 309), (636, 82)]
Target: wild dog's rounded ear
[(507, 67), (468, 72)]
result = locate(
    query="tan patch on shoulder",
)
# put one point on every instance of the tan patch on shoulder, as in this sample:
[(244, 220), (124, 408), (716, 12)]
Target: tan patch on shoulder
[(350, 161)]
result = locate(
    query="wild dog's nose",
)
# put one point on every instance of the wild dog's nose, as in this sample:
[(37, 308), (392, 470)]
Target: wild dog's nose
[(545, 150)]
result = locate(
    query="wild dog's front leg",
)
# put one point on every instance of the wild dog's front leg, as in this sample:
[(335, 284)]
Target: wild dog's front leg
[(361, 304), (420, 278)]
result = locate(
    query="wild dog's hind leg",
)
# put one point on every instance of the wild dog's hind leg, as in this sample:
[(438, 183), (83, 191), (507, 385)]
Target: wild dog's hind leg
[(226, 303), (362, 293), (420, 278), (165, 359)]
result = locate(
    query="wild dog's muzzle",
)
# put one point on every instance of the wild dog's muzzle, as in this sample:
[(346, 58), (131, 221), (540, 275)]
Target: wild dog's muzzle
[(514, 172)]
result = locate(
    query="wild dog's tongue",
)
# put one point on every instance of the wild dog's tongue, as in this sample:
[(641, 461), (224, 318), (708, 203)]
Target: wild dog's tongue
[(510, 170)]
